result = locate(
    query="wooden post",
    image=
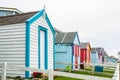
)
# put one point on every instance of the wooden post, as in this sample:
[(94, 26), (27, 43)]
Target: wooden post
[(3, 77), (92, 69), (50, 74), (69, 67)]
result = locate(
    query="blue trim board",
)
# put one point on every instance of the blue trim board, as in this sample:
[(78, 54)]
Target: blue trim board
[(28, 23), (46, 50), (49, 23), (72, 54), (53, 31), (27, 56), (46, 46), (36, 16)]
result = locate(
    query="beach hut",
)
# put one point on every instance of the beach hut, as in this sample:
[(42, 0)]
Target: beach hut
[(27, 40), (67, 50), (85, 53), (97, 55)]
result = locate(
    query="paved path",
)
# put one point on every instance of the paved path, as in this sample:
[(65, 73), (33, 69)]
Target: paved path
[(80, 76)]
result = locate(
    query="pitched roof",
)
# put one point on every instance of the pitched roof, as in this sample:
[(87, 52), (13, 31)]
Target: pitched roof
[(14, 19), (98, 49), (84, 45), (66, 37)]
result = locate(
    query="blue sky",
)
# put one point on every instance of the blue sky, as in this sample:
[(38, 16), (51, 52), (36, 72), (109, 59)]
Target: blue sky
[(97, 21)]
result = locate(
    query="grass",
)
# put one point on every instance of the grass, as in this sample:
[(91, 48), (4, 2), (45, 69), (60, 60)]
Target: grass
[(95, 73), (104, 70), (65, 78), (88, 71)]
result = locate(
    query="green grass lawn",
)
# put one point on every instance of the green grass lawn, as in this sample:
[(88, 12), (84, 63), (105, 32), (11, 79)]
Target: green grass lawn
[(88, 71), (104, 70), (107, 72), (65, 78), (100, 74)]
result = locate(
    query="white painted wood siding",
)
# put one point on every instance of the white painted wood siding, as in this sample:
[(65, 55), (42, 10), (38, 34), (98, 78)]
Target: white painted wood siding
[(12, 47), (34, 43)]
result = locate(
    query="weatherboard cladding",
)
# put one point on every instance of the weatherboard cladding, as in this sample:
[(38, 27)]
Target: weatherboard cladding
[(15, 19), (67, 37), (12, 46)]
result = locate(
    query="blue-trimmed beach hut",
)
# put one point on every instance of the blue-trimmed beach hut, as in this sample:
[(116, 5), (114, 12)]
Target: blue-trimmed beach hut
[(27, 40), (67, 50)]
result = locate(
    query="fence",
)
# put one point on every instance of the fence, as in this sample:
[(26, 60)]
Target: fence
[(5, 66), (49, 72), (105, 65), (112, 65), (116, 74)]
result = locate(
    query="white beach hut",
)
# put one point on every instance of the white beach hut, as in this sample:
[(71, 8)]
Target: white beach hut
[(27, 40)]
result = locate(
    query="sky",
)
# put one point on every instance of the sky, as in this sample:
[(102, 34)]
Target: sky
[(96, 21)]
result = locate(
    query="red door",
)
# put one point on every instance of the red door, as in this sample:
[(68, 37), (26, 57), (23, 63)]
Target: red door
[(76, 62)]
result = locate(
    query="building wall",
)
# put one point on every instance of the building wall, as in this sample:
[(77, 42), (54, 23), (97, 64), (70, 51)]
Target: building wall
[(12, 46), (76, 59), (63, 54), (94, 57), (34, 43), (88, 54), (76, 56)]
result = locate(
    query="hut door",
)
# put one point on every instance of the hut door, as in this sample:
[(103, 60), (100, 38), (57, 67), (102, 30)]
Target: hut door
[(76, 62), (42, 48)]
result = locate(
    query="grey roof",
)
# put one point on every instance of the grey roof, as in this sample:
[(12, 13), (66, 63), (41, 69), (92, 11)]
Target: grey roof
[(98, 49), (84, 45), (14, 19), (66, 37)]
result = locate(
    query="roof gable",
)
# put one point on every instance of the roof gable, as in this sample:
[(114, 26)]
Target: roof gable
[(38, 15), (26, 18), (76, 40)]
